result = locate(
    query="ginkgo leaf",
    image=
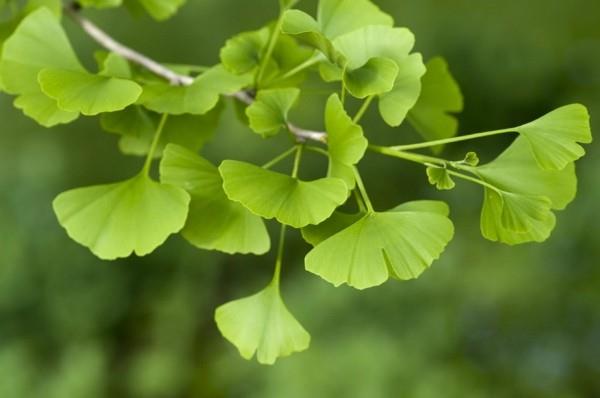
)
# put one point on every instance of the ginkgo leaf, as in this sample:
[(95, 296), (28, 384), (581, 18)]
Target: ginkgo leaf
[(337, 17), (519, 202), (440, 177), (100, 3), (158, 9), (214, 222), (274, 195), (262, 324), (345, 140), (432, 116), (375, 77), (242, 53), (269, 113), (398, 244), (116, 220), (38, 42), (471, 159), (197, 98), (554, 137), (113, 65), (83, 92), (361, 45)]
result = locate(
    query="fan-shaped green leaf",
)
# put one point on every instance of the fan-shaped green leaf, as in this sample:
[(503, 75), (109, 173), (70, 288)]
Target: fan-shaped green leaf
[(38, 42), (214, 221), (519, 209), (375, 77), (440, 97), (439, 177), (242, 53), (79, 91), (116, 220), (337, 17), (262, 324), (398, 244), (345, 139), (158, 9), (113, 65), (274, 195), (555, 136), (197, 98), (269, 113)]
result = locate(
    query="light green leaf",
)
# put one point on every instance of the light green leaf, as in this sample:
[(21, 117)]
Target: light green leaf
[(269, 113), (337, 17), (100, 3), (197, 98), (116, 220), (262, 324), (555, 136), (113, 65), (274, 195), (38, 42), (471, 159), (375, 77), (440, 97), (242, 53), (439, 177), (80, 91), (518, 208), (345, 140), (398, 244), (214, 221), (427, 206), (158, 9)]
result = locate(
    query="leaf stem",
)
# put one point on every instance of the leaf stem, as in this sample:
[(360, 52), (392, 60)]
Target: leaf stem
[(279, 158), (270, 47), (363, 191), (154, 145), (315, 59), (363, 108), (279, 259), (318, 150), (460, 138), (359, 201), (297, 159)]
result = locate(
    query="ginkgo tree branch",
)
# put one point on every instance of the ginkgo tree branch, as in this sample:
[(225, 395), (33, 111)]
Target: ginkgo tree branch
[(174, 78)]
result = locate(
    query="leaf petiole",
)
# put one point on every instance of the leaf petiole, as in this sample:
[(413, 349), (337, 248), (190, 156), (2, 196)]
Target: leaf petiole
[(279, 158), (315, 59), (363, 191), (279, 259), (452, 140), (297, 160), (363, 108), (270, 47), (154, 145)]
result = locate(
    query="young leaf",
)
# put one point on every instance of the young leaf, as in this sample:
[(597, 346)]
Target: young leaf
[(116, 220), (262, 324), (471, 159), (274, 195), (82, 92), (518, 206), (337, 17), (439, 177), (198, 98), (269, 113), (399, 244), (242, 53), (38, 42), (345, 140), (555, 136), (375, 77), (440, 97), (214, 222)]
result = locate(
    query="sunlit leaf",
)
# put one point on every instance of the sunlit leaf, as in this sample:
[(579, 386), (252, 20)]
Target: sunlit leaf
[(116, 220), (274, 195), (262, 324), (375, 77), (113, 65), (269, 113), (83, 92), (439, 177), (432, 116), (197, 98), (399, 243), (337, 17), (214, 222)]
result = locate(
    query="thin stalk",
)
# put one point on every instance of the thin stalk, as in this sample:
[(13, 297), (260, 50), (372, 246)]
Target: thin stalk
[(460, 138), (413, 157), (279, 260), (297, 160), (363, 108), (363, 191), (315, 59), (154, 145), (474, 180), (318, 150), (279, 158), (359, 201), (271, 46)]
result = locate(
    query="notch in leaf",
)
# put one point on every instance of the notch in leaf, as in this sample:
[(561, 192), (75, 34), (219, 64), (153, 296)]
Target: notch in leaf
[(269, 113), (262, 324), (274, 195), (214, 222)]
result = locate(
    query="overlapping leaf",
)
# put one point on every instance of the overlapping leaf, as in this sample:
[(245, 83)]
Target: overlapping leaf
[(262, 324), (274, 195), (242, 53), (116, 220), (520, 198), (214, 222), (400, 243), (345, 140), (197, 98), (432, 116), (269, 113)]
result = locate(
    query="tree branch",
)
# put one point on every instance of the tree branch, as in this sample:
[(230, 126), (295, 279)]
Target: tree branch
[(176, 79)]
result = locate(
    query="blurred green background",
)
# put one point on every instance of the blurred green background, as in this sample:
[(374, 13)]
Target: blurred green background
[(487, 320)]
